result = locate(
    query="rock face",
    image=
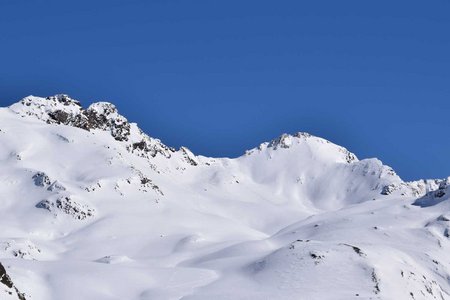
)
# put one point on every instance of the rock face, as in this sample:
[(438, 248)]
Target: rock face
[(7, 286), (61, 109), (189, 157), (67, 206), (148, 147), (433, 191), (41, 179)]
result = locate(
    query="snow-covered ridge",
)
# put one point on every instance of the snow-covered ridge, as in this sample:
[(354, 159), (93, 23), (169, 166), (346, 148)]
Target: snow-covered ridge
[(286, 141), (312, 159), (61, 109)]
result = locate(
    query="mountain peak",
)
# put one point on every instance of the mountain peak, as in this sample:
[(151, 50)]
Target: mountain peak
[(285, 140), (309, 143), (62, 109), (104, 108), (41, 108), (64, 99)]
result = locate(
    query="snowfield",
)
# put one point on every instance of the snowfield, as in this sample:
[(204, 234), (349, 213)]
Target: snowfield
[(93, 208)]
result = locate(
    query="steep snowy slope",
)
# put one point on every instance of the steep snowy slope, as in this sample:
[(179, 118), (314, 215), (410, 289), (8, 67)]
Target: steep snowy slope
[(93, 208)]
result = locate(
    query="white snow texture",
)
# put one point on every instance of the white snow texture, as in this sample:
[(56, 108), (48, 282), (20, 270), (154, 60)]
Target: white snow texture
[(93, 208)]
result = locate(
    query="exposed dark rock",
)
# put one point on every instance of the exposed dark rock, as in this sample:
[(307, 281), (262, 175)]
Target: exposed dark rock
[(61, 109), (59, 116), (6, 280), (65, 99), (283, 141), (4, 277), (444, 218), (147, 183), (439, 193), (189, 157), (41, 179), (145, 180), (56, 186), (376, 281), (90, 119), (316, 257), (149, 147), (356, 249), (101, 115), (389, 189), (24, 249), (350, 157), (66, 205), (140, 145)]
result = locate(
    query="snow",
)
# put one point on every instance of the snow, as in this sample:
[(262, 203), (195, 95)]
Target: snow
[(107, 212)]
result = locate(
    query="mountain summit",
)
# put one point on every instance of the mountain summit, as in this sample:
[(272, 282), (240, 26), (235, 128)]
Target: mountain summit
[(94, 208)]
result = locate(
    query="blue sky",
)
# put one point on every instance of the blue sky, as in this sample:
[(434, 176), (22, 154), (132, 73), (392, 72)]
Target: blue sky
[(223, 76)]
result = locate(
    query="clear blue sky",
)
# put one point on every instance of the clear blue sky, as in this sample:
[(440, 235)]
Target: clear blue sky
[(222, 76)]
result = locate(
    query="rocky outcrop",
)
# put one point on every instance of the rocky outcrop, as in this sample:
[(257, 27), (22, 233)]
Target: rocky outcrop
[(148, 147), (41, 179), (428, 190), (286, 140), (435, 191), (101, 115), (138, 181), (67, 206), (19, 248), (61, 109), (389, 189), (189, 157), (7, 286)]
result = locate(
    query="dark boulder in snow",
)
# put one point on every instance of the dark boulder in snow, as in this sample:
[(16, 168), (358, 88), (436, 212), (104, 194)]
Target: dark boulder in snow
[(389, 189), (41, 179), (149, 147)]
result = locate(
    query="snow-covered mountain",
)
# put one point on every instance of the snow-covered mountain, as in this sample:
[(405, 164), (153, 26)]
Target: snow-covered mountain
[(93, 208)]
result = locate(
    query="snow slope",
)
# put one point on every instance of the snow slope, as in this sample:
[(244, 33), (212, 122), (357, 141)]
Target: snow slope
[(93, 208)]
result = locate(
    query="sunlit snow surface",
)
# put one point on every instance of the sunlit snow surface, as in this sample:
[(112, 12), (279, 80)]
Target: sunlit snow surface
[(107, 212)]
